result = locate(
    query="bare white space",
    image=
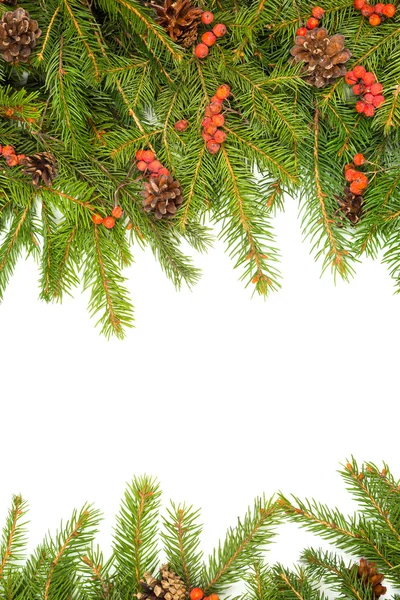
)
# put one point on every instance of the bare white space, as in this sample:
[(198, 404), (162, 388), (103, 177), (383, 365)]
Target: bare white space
[(220, 396)]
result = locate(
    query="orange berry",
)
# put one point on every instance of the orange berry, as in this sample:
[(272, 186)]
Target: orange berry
[(207, 17), (312, 23), (21, 158), (117, 212), (219, 30), (223, 92), (8, 151), (215, 108), (378, 8), (209, 38), (201, 50), (142, 166), (359, 160), (181, 125), (368, 78), (348, 166), (389, 10), (220, 136), (148, 156), (367, 10), (206, 136), (109, 222), (206, 121), (356, 189), (139, 155), (378, 100), (358, 4), (350, 175), (97, 219), (375, 20), (216, 99), (12, 160), (360, 106), (154, 166), (301, 31), (317, 12), (359, 71), (350, 77), (218, 120), (357, 89), (213, 597), (164, 171), (369, 110), (376, 89), (196, 594), (213, 146), (210, 129), (368, 98)]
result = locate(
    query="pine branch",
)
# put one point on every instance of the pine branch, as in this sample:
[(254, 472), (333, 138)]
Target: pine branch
[(14, 537)]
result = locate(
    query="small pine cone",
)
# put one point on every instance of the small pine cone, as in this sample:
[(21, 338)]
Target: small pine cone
[(18, 36), (180, 19), (41, 167), (324, 57), (351, 205), (163, 196), (169, 587), (368, 574)]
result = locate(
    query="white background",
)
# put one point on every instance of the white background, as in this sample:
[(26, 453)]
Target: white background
[(221, 396)]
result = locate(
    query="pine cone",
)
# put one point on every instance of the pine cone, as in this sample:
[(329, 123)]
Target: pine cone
[(11, 2), (180, 19), (162, 195), (40, 166), (324, 57), (367, 572), (18, 35), (169, 587), (351, 205)]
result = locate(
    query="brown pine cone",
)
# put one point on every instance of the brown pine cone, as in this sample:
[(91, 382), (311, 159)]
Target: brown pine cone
[(180, 19), (351, 205), (18, 36), (324, 57), (368, 574), (162, 195), (41, 167), (169, 587)]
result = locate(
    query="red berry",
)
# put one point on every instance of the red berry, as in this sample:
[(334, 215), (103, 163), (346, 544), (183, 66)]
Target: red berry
[(8, 151), (220, 136), (210, 129), (348, 166), (215, 107), (369, 110), (358, 4), (368, 78), (12, 160), (212, 146), (181, 125), (219, 30), (154, 166), (209, 38), (389, 10), (357, 89), (196, 594), (368, 98), (109, 222), (376, 88), (360, 106), (201, 50), (356, 189), (142, 166), (378, 8), (148, 156), (207, 112), (367, 10), (216, 99), (350, 78), (206, 121), (317, 12), (21, 158), (223, 91), (117, 212), (301, 31), (164, 171), (312, 23), (359, 160), (218, 120), (361, 180), (97, 219), (375, 20), (359, 71), (378, 100), (350, 174), (207, 17), (206, 136), (139, 155)]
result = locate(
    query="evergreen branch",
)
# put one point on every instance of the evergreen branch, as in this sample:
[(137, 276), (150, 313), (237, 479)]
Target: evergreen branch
[(13, 538), (82, 37), (40, 56)]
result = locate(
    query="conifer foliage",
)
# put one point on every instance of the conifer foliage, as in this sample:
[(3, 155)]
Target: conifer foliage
[(88, 86)]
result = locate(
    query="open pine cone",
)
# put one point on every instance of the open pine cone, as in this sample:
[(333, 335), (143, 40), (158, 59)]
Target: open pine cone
[(162, 195), (18, 35), (180, 19), (324, 57), (367, 572), (41, 167), (351, 205), (169, 587)]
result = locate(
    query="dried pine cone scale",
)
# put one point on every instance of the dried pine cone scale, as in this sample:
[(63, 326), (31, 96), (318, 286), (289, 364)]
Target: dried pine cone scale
[(351, 205), (41, 167), (169, 587), (180, 19), (324, 57), (162, 195), (18, 35)]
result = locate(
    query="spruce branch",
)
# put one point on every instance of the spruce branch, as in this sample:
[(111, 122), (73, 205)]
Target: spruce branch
[(13, 538)]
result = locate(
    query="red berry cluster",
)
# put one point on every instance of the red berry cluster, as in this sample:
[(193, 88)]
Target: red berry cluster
[(313, 22), (213, 119), (147, 163), (108, 222), (376, 14), (365, 85), (358, 181), (12, 159), (198, 594), (209, 38)]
